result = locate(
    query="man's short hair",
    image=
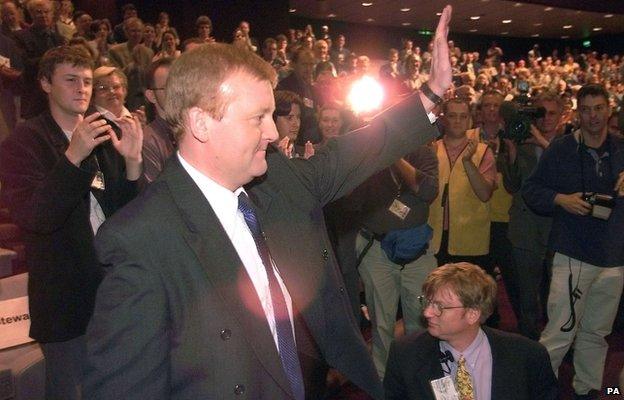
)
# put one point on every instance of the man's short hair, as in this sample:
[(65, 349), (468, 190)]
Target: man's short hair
[(268, 42), (472, 285), (492, 92), (203, 20), (195, 79), (552, 96), (592, 90), (284, 99), (62, 55), (104, 71), (454, 100), (128, 7), (32, 4), (165, 62)]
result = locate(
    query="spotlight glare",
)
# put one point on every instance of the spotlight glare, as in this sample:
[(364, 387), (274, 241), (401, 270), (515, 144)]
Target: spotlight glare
[(366, 95)]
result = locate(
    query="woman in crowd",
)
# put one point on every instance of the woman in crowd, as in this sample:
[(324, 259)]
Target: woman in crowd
[(332, 122), (64, 19), (287, 117), (168, 48), (149, 37), (101, 29)]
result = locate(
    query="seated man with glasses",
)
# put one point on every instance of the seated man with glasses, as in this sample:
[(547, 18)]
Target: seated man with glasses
[(457, 354)]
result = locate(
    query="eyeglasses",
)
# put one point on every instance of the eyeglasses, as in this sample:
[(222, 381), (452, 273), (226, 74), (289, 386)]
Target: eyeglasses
[(106, 88), (156, 88), (438, 308)]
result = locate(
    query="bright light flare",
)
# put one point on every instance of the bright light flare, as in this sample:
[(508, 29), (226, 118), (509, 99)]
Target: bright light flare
[(366, 95)]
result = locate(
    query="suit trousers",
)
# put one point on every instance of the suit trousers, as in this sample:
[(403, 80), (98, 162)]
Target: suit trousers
[(64, 368), (529, 268), (601, 289), (384, 284)]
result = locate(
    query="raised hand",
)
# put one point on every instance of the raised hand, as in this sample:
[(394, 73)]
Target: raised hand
[(131, 142), (89, 133), (309, 150), (471, 149), (440, 77), (619, 186), (285, 147)]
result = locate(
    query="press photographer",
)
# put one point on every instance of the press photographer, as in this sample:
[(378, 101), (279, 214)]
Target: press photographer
[(587, 273), (528, 232)]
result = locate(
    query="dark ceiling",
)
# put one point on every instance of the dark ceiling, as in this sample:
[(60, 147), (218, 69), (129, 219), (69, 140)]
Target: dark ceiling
[(567, 19)]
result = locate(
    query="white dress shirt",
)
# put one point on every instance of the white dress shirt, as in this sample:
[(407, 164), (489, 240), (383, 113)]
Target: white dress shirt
[(225, 205), (96, 214), (478, 362)]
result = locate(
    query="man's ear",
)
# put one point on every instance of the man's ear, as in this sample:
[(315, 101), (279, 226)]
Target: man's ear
[(150, 96), (46, 85), (200, 124), (474, 316)]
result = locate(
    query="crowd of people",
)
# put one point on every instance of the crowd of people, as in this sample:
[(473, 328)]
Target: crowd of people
[(515, 171)]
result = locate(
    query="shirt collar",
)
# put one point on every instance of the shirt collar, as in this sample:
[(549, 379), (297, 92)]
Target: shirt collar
[(471, 353), (223, 201)]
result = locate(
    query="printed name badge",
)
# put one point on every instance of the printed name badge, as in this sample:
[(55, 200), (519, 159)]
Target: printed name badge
[(98, 181), (444, 389), (399, 209)]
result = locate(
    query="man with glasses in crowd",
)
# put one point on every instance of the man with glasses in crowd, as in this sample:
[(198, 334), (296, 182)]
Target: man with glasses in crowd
[(458, 354)]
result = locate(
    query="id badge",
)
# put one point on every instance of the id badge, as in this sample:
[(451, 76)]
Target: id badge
[(98, 181), (444, 389), (399, 209)]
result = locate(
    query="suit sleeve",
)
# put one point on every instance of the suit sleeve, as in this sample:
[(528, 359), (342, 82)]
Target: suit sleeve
[(347, 161), (40, 199), (127, 338), (537, 192), (542, 380), (394, 387)]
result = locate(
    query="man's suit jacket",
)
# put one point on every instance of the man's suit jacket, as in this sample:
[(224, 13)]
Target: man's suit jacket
[(48, 198), (177, 316), (34, 42), (521, 368), (527, 230)]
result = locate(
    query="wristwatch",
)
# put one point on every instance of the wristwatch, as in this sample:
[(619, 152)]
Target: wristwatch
[(426, 90)]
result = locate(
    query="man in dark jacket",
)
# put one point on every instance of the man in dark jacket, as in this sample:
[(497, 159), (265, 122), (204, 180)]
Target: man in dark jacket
[(62, 175)]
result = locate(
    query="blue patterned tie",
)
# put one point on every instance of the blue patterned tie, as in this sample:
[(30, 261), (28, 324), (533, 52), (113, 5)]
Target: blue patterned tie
[(285, 337)]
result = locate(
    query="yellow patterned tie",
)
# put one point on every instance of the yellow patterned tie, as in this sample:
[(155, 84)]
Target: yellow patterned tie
[(463, 382)]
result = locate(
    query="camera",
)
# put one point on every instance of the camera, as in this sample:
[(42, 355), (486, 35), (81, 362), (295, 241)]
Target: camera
[(602, 204), (518, 115)]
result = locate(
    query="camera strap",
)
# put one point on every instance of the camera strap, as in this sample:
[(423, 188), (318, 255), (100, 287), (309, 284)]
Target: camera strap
[(574, 293)]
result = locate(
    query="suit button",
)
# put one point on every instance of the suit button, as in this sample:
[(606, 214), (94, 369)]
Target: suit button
[(342, 289), (239, 389), (325, 254), (226, 334)]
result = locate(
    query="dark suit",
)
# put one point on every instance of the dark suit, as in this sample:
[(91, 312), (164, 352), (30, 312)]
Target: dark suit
[(48, 197), (177, 316), (520, 368), (34, 42), (528, 234)]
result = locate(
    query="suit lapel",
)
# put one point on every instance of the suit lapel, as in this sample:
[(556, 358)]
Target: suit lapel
[(224, 269), (500, 374)]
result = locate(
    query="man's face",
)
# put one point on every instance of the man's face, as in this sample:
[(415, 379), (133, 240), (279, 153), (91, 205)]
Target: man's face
[(594, 115), (457, 120), (490, 105), (321, 49), (289, 125), (270, 51), (42, 15), (84, 23), (237, 144), (341, 41), (134, 32), (453, 323), (110, 93), (130, 13), (203, 31), (9, 14), (330, 123), (156, 94), (394, 57), (304, 68), (69, 89), (551, 119)]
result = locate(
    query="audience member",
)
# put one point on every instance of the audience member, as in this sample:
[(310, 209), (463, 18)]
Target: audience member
[(34, 42), (587, 271), (121, 54), (159, 142), (119, 32), (63, 174), (458, 357)]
